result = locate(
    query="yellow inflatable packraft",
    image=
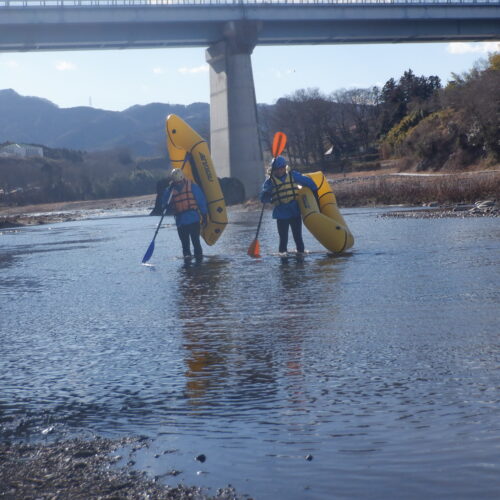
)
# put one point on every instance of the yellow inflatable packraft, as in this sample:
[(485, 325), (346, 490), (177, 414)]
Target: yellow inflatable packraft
[(189, 151), (324, 220)]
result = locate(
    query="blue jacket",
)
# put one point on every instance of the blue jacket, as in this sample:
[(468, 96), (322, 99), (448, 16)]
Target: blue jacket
[(189, 216), (291, 209)]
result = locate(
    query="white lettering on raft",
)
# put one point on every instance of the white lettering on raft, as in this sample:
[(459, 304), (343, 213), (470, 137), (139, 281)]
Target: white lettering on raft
[(206, 167)]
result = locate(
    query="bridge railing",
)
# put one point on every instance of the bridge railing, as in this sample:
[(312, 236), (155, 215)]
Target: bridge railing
[(153, 3)]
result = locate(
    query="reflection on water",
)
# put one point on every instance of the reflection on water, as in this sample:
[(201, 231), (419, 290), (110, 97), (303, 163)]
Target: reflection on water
[(381, 365), (201, 309)]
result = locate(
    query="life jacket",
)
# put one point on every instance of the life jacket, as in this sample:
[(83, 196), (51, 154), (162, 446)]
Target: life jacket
[(184, 200), (283, 191)]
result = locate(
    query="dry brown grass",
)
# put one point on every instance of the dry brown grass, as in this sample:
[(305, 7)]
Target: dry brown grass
[(394, 189)]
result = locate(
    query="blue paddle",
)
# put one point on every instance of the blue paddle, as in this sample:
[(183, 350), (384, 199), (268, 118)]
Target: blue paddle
[(151, 248)]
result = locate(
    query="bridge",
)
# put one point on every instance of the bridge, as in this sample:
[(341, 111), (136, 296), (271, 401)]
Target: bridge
[(230, 30)]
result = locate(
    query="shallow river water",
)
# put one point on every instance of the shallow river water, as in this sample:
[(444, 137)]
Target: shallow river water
[(381, 366)]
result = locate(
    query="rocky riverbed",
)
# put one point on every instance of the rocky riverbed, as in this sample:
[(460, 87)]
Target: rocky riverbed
[(11, 217), (51, 213), (487, 208), (84, 469)]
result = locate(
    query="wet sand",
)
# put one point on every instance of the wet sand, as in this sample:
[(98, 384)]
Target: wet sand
[(83, 469)]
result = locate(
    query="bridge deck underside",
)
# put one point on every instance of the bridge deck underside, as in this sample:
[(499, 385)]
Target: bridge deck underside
[(54, 28)]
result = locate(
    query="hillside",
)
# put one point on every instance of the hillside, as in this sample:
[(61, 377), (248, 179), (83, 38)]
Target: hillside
[(141, 129)]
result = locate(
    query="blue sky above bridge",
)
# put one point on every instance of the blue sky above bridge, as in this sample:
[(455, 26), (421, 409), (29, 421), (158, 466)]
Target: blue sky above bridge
[(115, 80)]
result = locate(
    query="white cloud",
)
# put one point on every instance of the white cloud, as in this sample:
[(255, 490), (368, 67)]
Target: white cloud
[(159, 71), (65, 66), (12, 64), (468, 48), (190, 71)]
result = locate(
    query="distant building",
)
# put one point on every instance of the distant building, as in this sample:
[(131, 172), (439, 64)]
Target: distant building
[(21, 151), (12, 150)]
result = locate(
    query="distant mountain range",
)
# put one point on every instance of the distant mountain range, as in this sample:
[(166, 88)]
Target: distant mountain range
[(141, 129)]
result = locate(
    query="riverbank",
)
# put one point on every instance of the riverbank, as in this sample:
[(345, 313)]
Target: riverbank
[(85, 469), (50, 213), (464, 194)]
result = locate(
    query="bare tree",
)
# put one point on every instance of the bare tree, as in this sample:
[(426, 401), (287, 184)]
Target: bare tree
[(304, 116), (359, 115)]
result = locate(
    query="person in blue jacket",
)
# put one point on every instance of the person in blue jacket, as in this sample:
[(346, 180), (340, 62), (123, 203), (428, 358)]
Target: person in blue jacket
[(281, 189), (188, 203)]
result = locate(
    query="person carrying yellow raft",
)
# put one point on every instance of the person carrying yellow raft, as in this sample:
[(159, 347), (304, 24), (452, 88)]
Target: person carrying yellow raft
[(281, 189), (188, 202)]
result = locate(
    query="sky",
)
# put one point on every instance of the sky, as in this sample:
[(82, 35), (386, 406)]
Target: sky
[(117, 79)]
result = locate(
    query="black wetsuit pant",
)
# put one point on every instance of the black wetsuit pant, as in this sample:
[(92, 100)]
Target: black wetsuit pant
[(190, 231), (296, 224)]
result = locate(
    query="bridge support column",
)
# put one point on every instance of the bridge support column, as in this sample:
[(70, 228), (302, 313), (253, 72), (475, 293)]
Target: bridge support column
[(234, 135)]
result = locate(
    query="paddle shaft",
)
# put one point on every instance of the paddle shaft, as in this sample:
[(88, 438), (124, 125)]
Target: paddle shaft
[(164, 212), (260, 220)]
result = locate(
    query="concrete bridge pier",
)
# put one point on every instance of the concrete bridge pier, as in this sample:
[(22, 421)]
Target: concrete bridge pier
[(234, 137)]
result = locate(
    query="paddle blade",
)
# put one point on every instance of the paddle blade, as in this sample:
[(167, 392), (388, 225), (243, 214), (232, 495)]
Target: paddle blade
[(254, 249), (279, 143), (149, 252)]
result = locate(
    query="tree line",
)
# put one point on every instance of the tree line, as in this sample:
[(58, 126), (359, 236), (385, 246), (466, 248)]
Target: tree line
[(413, 119), (67, 175)]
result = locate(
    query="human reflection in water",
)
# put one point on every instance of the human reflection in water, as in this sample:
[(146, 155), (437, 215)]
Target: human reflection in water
[(228, 368), (304, 312), (202, 288)]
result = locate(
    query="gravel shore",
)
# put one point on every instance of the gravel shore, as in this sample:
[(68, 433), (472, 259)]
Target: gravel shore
[(488, 208), (11, 217), (51, 213), (82, 469)]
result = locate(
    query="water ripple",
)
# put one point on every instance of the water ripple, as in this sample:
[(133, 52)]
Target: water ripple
[(381, 364)]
